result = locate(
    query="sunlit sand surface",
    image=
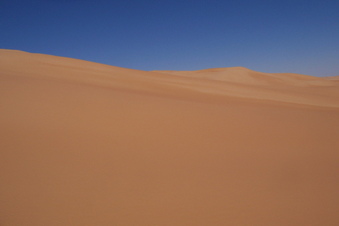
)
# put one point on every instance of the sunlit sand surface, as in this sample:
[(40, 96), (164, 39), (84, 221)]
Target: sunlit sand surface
[(88, 144)]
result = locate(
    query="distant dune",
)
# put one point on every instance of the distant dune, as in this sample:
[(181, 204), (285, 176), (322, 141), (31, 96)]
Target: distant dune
[(88, 144)]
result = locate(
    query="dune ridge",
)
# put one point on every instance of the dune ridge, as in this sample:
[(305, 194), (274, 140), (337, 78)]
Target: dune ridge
[(236, 82), (87, 144)]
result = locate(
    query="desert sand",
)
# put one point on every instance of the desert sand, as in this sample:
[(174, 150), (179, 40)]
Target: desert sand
[(87, 144)]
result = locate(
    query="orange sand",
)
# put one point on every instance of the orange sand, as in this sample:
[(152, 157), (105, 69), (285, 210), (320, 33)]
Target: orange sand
[(86, 144)]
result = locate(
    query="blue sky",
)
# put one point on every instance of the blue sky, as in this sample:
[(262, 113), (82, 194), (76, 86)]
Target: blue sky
[(299, 36)]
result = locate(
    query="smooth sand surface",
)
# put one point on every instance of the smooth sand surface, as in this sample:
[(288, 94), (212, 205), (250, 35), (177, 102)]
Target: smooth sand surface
[(87, 144)]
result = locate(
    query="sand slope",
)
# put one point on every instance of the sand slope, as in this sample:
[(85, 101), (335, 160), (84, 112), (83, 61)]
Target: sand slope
[(89, 144)]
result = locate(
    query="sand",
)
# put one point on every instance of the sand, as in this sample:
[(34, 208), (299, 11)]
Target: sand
[(90, 144)]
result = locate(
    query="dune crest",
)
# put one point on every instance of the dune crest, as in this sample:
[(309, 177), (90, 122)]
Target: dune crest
[(247, 76), (89, 144), (223, 83)]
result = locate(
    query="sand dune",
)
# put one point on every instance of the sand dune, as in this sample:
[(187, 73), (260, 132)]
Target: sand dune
[(209, 84), (247, 76), (333, 78), (84, 143)]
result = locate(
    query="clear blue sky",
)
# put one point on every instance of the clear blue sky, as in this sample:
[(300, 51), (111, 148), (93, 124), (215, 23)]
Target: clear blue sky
[(300, 36)]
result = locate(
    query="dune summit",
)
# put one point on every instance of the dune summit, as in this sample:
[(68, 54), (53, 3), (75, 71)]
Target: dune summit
[(84, 143)]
